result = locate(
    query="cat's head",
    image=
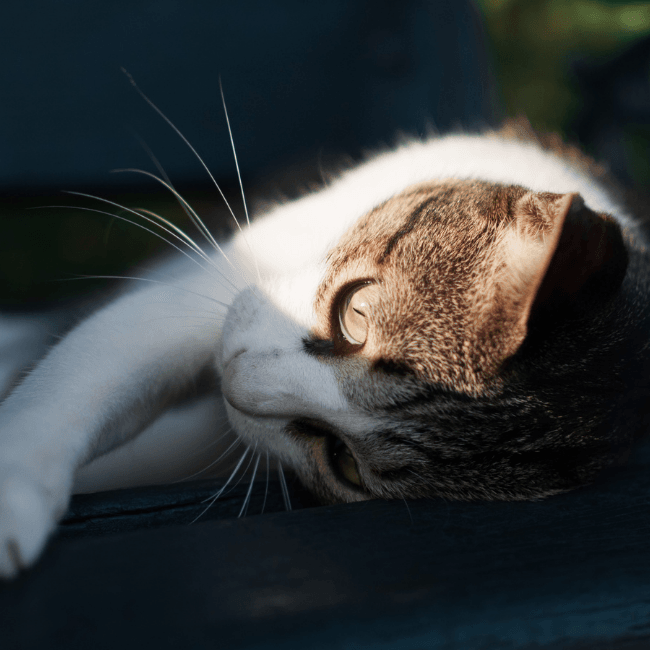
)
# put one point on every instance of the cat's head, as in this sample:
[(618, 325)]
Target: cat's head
[(455, 341)]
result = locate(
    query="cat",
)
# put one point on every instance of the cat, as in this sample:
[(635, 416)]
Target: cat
[(462, 317)]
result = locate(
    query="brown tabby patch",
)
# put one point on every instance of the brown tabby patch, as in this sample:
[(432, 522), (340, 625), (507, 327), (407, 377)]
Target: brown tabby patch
[(448, 308)]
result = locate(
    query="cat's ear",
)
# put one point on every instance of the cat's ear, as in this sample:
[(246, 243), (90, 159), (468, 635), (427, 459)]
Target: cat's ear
[(557, 254)]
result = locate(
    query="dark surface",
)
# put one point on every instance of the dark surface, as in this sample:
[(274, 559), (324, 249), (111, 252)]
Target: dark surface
[(121, 511), (569, 572)]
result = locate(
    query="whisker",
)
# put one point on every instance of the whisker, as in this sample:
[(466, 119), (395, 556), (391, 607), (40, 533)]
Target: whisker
[(207, 258), (234, 153), (186, 237), (187, 326), (196, 220), (408, 509), (184, 139), (244, 507), (285, 489), (241, 185), (167, 284), (203, 313), (189, 211), (266, 489), (139, 225), (241, 478), (178, 233), (192, 316), (233, 445), (220, 492), (161, 170), (153, 158)]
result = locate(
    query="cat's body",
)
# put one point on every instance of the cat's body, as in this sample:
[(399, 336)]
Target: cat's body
[(456, 317)]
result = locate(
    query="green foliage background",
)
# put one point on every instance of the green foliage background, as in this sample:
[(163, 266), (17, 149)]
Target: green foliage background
[(535, 42)]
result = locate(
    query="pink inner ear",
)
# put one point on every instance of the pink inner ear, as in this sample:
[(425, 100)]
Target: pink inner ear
[(524, 253), (555, 247), (539, 222), (542, 215), (589, 244)]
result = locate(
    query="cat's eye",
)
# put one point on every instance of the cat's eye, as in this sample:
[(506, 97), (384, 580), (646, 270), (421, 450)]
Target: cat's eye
[(355, 313), (345, 463)]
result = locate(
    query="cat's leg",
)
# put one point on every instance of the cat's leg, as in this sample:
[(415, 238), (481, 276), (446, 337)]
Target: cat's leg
[(190, 440), (97, 388), (25, 338)]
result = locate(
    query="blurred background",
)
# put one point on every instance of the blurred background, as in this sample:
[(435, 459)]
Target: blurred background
[(580, 68), (308, 86)]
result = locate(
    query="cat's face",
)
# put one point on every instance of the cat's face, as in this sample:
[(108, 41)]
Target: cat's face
[(399, 361)]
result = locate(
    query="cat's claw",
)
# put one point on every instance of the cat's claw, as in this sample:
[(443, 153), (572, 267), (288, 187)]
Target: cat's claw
[(27, 516)]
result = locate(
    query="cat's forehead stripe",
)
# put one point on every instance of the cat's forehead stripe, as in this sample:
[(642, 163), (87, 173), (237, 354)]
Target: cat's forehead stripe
[(405, 230)]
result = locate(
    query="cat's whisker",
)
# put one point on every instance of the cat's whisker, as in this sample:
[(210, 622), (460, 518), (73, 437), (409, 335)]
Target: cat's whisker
[(154, 218), (175, 316), (157, 220), (225, 485), (153, 158), (167, 284), (244, 508), (241, 185), (283, 485), (243, 474), (231, 448), (234, 153), (218, 439), (191, 213), (139, 225), (196, 220), (266, 488), (184, 139), (161, 170), (204, 448), (191, 243), (179, 234), (203, 313), (408, 510), (240, 273), (218, 421), (245, 471), (198, 157), (212, 316)]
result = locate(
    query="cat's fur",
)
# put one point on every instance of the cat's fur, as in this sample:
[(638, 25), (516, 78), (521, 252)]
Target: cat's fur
[(505, 356)]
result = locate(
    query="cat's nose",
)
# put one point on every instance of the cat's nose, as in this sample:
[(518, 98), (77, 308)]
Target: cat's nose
[(281, 384)]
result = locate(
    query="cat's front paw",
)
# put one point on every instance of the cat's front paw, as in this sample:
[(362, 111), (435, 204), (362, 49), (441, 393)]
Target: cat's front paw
[(28, 514)]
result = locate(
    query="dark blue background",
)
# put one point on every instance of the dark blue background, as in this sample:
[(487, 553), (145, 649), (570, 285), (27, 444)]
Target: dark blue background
[(302, 80)]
